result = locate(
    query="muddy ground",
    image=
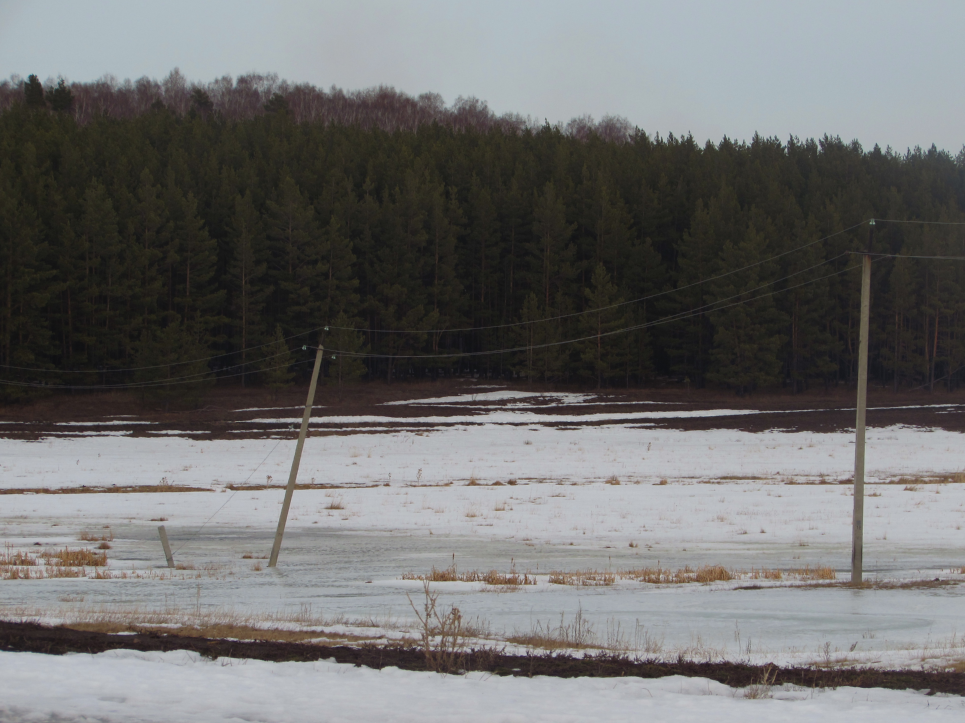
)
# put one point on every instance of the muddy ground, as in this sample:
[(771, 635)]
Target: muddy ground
[(33, 638), (221, 414)]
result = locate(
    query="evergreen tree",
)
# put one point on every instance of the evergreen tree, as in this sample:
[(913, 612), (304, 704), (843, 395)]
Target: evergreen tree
[(528, 336), (717, 223), (101, 244), (747, 338), (603, 352), (246, 269), (172, 366), (276, 364), (33, 92), (344, 343), (61, 99), (24, 332), (294, 259), (338, 267), (400, 298)]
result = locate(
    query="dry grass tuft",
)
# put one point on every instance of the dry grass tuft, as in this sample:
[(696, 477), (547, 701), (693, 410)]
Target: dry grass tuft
[(336, 503), (16, 558), (666, 576), (88, 536), (20, 565), (703, 574), (765, 574), (490, 577), (74, 558), (821, 572), (762, 689), (583, 578), (443, 635), (942, 479), (565, 636)]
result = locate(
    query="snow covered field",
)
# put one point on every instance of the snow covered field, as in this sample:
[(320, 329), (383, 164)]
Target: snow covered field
[(134, 687), (507, 481)]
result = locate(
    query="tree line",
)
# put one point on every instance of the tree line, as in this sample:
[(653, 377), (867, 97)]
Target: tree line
[(182, 246)]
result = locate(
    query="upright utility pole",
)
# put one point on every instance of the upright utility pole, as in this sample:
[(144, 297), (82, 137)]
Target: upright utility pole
[(293, 475), (857, 523)]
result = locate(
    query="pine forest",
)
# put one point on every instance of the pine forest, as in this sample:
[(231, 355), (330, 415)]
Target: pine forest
[(203, 234)]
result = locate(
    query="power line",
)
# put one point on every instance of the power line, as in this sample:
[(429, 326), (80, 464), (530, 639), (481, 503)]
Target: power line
[(930, 223), (922, 386), (162, 366), (198, 531), (707, 308), (604, 308), (908, 256), (192, 379), (403, 331)]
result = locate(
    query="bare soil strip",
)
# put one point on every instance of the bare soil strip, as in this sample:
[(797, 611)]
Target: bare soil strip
[(229, 412), (33, 638), (113, 489)]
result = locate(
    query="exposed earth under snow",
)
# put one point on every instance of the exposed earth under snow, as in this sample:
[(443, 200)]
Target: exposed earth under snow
[(491, 478)]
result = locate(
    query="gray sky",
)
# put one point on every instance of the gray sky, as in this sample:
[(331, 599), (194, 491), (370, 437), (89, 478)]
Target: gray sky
[(884, 71)]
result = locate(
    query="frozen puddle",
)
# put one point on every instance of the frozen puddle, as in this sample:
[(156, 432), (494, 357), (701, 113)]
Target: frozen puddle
[(358, 575)]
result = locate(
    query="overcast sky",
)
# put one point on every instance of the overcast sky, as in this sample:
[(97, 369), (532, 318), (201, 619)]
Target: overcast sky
[(885, 71)]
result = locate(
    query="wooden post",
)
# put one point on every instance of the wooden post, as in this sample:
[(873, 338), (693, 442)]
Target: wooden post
[(293, 475), (166, 545), (857, 520)]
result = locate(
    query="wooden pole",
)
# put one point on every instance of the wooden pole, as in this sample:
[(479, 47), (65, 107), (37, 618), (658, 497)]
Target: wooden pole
[(857, 520), (166, 545), (293, 475)]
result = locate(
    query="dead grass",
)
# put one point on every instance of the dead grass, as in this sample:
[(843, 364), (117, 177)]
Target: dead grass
[(442, 633), (765, 574), (336, 503), (904, 584), (686, 575), (489, 577), (819, 572), (941, 479), (113, 489), (703, 574), (82, 557), (763, 688), (298, 486), (574, 635), (195, 615), (223, 630), (666, 576), (17, 558), (293, 625), (583, 578), (88, 536)]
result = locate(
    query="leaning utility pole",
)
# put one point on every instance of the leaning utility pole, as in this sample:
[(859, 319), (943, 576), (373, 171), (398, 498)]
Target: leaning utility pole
[(857, 522), (293, 475)]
